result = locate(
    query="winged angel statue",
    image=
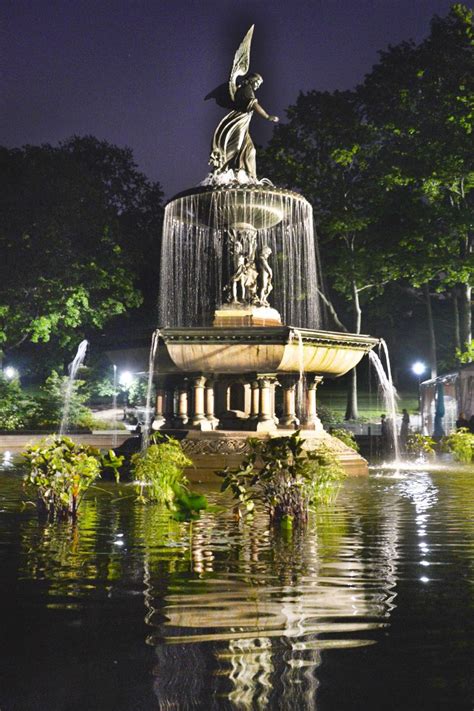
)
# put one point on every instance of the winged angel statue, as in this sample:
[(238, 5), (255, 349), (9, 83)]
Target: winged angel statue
[(232, 147)]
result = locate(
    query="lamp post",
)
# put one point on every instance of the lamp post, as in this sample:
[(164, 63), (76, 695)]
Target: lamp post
[(125, 380), (418, 369)]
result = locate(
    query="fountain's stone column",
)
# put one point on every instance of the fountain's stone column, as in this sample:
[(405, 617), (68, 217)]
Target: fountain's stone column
[(266, 414), (209, 403), (169, 413), (199, 418), (160, 406), (221, 398), (312, 421), (254, 400), (182, 414), (288, 383)]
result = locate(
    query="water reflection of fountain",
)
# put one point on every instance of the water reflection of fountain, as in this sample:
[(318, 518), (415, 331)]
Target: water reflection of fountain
[(73, 370), (267, 609)]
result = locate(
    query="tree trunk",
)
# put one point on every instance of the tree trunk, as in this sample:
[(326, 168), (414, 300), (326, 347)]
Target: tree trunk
[(431, 331), (466, 316), (457, 330), (352, 409)]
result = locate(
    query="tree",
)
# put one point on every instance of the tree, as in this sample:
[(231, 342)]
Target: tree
[(78, 223), (328, 152), (419, 99)]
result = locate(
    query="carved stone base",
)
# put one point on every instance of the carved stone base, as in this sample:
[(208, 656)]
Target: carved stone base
[(239, 315), (211, 451)]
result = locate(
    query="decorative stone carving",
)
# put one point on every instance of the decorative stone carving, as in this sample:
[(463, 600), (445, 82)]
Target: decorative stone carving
[(215, 446)]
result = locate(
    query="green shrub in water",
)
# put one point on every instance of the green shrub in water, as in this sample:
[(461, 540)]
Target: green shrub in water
[(60, 472), (284, 477), (345, 436), (159, 471), (461, 444)]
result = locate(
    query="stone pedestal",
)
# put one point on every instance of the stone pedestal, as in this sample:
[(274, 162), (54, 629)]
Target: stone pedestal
[(239, 315)]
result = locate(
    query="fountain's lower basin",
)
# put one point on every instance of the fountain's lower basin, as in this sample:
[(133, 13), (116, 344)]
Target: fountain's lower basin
[(279, 349)]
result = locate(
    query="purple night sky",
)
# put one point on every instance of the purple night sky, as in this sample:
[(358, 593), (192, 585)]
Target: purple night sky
[(135, 73)]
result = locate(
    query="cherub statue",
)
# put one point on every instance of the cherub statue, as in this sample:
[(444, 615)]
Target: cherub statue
[(244, 276), (232, 146), (265, 274)]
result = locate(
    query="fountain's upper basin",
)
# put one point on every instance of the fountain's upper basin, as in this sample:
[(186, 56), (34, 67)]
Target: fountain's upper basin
[(279, 349), (241, 208)]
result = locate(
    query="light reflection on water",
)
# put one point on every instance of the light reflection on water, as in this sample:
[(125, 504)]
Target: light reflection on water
[(234, 615)]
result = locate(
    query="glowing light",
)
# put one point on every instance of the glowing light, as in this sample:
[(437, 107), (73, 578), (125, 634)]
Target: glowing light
[(418, 368), (10, 372), (126, 378), (423, 579)]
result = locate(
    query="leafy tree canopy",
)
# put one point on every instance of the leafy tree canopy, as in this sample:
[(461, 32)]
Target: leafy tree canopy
[(78, 224)]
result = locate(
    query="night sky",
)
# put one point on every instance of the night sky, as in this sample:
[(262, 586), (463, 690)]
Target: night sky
[(135, 73)]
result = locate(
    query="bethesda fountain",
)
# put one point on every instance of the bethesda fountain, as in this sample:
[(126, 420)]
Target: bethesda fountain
[(240, 348)]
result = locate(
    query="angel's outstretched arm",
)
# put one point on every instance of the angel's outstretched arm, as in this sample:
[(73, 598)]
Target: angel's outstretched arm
[(261, 112)]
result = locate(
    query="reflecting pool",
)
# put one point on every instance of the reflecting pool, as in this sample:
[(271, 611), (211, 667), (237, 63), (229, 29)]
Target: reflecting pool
[(371, 607)]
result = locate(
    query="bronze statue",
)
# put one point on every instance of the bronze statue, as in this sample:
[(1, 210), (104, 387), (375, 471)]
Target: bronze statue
[(232, 147)]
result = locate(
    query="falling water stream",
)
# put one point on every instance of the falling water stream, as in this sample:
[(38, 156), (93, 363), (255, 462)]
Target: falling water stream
[(73, 369), (389, 395), (301, 386), (197, 261), (151, 369), (114, 407)]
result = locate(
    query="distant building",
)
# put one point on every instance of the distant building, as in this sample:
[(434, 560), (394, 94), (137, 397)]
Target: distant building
[(453, 393)]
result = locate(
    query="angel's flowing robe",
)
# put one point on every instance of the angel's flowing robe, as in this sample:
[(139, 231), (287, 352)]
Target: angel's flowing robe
[(232, 146)]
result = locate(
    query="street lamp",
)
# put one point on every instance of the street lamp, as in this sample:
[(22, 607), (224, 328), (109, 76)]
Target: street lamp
[(125, 379), (10, 373), (418, 369)]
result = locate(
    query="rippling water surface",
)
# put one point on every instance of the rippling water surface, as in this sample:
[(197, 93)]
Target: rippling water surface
[(371, 607)]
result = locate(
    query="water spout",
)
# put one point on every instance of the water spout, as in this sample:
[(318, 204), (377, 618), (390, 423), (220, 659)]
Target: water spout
[(73, 369), (389, 395), (151, 369), (301, 387), (114, 407)]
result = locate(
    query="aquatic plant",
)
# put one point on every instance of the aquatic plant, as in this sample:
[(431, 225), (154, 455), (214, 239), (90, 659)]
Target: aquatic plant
[(420, 446), (159, 471), (345, 436), (60, 472), (284, 477), (461, 444)]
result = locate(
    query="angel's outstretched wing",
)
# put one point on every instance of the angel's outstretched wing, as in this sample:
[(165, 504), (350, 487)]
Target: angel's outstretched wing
[(221, 96), (241, 62)]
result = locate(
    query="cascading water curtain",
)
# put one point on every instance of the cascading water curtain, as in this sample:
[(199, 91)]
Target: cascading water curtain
[(197, 259)]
